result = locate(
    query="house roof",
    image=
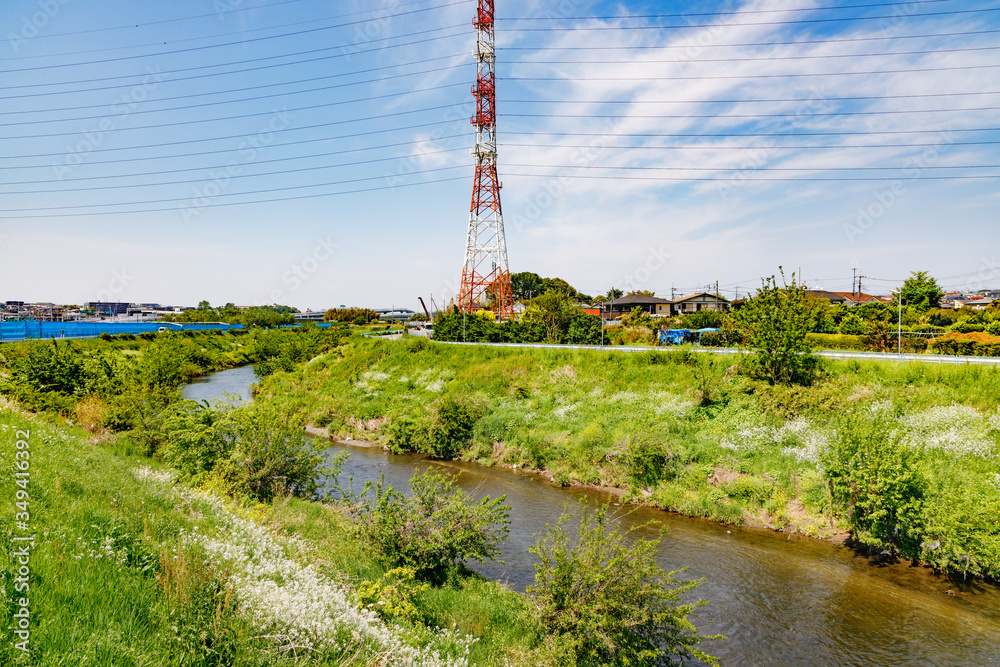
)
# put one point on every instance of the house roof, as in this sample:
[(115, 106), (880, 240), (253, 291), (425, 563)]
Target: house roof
[(857, 297), (635, 299), (711, 296)]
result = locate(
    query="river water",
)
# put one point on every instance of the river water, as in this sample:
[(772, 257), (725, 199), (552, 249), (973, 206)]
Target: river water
[(780, 600)]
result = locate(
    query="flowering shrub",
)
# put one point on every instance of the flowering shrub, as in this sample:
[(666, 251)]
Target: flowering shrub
[(296, 607)]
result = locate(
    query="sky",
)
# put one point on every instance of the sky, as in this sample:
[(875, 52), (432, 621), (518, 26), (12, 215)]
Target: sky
[(317, 154)]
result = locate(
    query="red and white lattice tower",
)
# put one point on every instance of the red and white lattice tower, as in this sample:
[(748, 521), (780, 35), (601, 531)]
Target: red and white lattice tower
[(485, 276)]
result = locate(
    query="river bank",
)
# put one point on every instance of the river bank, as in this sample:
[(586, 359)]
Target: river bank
[(687, 433)]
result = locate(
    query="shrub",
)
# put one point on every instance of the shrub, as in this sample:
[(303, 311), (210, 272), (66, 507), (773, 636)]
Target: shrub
[(392, 597), (605, 601), (877, 479), (267, 455), (775, 323), (433, 530), (451, 431)]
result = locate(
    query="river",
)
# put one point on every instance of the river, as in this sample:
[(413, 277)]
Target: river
[(780, 599)]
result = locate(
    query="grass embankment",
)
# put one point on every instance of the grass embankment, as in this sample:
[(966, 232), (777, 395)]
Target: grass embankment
[(904, 456), (129, 568)]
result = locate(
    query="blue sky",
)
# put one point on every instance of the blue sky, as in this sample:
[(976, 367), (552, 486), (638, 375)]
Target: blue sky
[(631, 155)]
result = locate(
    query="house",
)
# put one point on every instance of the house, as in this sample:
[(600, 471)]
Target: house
[(653, 305), (698, 302), (973, 302)]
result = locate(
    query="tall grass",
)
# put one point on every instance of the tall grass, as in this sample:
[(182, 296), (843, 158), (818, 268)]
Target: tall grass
[(131, 570), (679, 430)]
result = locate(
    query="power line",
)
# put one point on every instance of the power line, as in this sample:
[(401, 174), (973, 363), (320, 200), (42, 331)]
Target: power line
[(256, 201), (630, 47), (726, 135), (235, 10), (310, 140), (698, 61), (730, 13), (198, 48), (749, 115), (215, 46), (214, 92), (758, 23), (186, 107), (716, 147), (762, 180), (235, 62), (752, 169), (203, 179), (852, 98), (242, 116), (744, 76)]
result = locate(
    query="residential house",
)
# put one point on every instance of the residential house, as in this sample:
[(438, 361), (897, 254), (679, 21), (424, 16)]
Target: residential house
[(698, 302), (653, 305)]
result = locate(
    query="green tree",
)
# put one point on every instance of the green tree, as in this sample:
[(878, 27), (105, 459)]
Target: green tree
[(554, 311), (921, 291), (605, 600), (775, 323), (204, 305)]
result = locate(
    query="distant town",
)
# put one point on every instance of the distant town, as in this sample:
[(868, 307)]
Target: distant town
[(118, 311)]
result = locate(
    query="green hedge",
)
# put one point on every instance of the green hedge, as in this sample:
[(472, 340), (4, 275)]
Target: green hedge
[(966, 348), (835, 341)]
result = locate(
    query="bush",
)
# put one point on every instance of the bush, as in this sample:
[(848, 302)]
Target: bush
[(605, 601), (266, 455), (775, 323), (878, 481), (433, 530), (392, 597)]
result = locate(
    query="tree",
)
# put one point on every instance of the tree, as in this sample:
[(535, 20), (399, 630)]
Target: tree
[(554, 311), (204, 305), (921, 291), (605, 601), (775, 323)]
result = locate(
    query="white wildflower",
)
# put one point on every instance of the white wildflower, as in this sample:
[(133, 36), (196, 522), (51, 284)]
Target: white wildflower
[(958, 430)]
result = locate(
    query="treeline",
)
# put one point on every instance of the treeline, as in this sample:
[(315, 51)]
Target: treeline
[(257, 316), (123, 383), (551, 318), (357, 316)]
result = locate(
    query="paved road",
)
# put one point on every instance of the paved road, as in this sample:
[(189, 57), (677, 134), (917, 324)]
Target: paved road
[(832, 354)]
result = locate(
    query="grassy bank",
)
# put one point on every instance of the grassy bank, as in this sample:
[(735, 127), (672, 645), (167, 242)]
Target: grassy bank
[(130, 568), (904, 456)]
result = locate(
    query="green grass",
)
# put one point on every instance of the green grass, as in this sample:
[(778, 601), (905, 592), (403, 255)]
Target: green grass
[(675, 429), (114, 581)]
